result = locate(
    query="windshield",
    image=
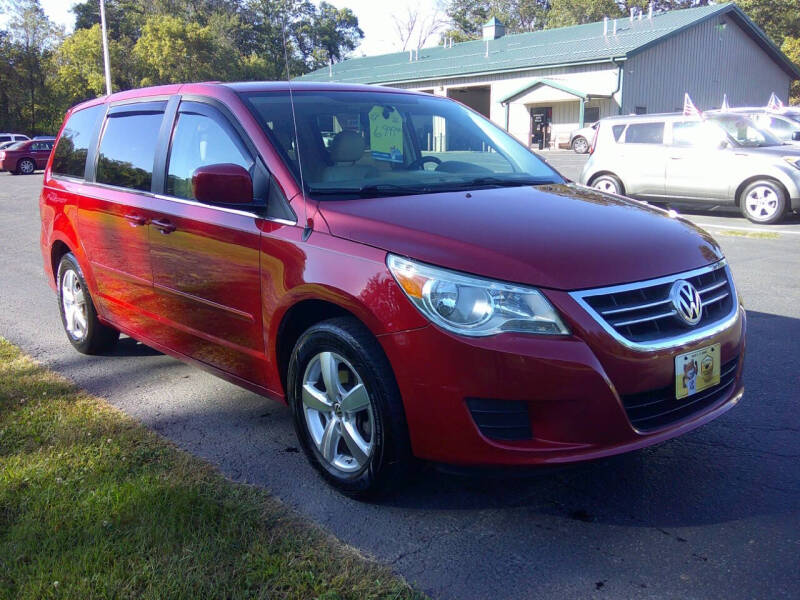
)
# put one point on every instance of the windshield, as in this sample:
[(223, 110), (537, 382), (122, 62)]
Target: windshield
[(745, 132), (362, 144)]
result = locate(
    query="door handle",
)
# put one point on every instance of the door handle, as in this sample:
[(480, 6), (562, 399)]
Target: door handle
[(136, 220), (165, 226)]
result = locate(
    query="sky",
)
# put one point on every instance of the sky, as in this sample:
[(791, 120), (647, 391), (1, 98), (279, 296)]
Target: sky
[(374, 19)]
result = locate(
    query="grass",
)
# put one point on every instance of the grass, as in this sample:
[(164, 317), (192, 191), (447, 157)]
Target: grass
[(94, 505), (763, 235)]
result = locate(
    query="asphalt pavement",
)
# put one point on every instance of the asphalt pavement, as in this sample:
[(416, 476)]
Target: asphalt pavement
[(713, 514)]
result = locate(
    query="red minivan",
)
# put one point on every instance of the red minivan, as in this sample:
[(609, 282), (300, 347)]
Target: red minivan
[(410, 279)]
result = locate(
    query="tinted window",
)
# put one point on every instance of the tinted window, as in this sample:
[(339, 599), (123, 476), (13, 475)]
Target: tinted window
[(591, 114), (41, 146), (617, 130), (645, 133), (5, 138), (73, 146), (199, 140), (128, 149)]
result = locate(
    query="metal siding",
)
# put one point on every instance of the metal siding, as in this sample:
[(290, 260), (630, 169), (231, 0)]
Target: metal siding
[(706, 62)]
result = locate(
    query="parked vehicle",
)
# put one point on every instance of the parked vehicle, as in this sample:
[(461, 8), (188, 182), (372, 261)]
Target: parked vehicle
[(13, 137), (5, 145), (722, 159), (581, 139), (23, 158), (784, 125), (460, 303)]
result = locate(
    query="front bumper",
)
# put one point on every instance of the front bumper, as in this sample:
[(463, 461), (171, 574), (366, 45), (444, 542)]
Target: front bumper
[(572, 388)]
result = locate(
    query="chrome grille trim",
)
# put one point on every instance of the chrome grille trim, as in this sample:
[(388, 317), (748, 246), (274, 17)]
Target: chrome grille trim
[(703, 331)]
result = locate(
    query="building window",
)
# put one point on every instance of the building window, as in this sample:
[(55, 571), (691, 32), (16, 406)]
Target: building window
[(591, 114), (640, 110)]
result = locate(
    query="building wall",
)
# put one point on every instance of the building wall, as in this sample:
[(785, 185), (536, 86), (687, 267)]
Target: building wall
[(593, 79), (706, 61)]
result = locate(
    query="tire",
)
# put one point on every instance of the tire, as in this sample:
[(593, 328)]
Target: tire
[(610, 184), (580, 145), (26, 167), (362, 452), (763, 201), (78, 315)]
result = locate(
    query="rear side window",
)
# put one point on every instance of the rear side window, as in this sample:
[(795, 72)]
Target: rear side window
[(5, 138), (645, 133), (617, 130), (199, 141), (128, 149), (73, 145)]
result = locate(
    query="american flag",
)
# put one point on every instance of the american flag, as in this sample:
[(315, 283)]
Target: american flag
[(774, 103), (689, 109)]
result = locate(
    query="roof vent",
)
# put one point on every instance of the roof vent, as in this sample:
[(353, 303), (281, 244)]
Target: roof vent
[(493, 29)]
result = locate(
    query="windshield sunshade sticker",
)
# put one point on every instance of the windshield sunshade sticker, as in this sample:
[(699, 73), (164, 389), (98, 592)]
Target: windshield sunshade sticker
[(386, 134)]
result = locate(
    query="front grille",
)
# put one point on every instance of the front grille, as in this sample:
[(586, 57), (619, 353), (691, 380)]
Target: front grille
[(501, 419), (658, 408), (643, 312)]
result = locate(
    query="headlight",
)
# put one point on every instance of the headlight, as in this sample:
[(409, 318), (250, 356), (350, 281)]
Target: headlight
[(793, 160), (472, 306)]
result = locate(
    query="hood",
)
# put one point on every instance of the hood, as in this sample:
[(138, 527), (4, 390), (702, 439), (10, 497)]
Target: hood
[(557, 236)]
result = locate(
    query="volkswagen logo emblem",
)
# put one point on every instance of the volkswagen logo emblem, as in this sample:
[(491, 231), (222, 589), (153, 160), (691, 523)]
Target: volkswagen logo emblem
[(687, 302)]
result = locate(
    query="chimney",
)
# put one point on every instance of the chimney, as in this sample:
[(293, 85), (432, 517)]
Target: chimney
[(615, 27), (493, 29), (650, 12), (633, 12), (605, 26)]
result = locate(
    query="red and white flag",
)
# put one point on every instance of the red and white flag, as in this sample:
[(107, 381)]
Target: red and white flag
[(774, 103), (689, 109), (725, 106)]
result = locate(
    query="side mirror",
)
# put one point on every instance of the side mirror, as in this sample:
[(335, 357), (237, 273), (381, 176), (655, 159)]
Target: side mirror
[(796, 136), (222, 184)]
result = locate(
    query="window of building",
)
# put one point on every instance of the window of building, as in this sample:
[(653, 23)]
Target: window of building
[(645, 133), (591, 114), (73, 145), (128, 150), (200, 141), (640, 110)]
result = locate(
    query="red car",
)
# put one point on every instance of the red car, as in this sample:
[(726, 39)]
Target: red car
[(23, 158), (410, 279)]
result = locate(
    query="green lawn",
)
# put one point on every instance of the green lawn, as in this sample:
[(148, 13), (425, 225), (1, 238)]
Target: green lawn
[(94, 505)]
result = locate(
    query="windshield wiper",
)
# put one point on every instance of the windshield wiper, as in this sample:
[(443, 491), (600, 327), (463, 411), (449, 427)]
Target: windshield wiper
[(372, 190), (504, 182)]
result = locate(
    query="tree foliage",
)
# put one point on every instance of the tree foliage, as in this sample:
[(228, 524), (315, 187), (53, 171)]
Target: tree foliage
[(43, 72)]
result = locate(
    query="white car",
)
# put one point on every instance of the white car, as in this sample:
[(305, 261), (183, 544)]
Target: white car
[(581, 140)]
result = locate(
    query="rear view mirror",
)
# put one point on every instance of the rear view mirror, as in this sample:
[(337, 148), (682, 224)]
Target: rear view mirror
[(796, 136), (222, 184)]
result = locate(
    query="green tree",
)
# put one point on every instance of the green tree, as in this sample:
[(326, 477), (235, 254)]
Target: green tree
[(778, 18), (791, 48), (564, 13), (171, 50)]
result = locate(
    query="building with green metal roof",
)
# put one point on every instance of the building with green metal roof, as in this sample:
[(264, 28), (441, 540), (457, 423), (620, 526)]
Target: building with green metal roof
[(561, 79)]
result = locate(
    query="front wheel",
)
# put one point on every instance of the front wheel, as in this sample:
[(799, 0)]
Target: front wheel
[(763, 202), (78, 315), (580, 145), (347, 410)]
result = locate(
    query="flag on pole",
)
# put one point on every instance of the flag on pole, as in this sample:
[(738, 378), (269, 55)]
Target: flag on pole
[(725, 106), (689, 109), (774, 103)]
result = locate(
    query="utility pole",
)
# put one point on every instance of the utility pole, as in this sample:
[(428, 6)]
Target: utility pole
[(105, 46)]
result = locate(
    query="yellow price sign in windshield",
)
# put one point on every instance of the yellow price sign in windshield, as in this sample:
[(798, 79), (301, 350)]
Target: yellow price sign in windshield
[(386, 134)]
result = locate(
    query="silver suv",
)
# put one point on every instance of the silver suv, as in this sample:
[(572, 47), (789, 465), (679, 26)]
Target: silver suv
[(721, 159)]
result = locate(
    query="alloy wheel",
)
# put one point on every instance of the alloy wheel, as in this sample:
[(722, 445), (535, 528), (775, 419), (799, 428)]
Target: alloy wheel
[(26, 167), (604, 184), (762, 203), (580, 145), (338, 412), (73, 302)]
